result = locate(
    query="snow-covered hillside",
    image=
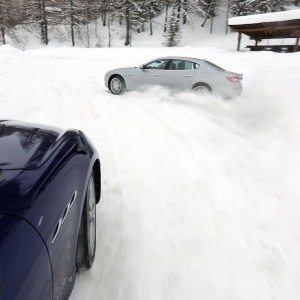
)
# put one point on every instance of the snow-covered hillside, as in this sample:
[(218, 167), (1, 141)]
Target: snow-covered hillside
[(200, 195)]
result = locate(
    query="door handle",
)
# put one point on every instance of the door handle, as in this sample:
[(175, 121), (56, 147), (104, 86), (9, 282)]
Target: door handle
[(156, 74), (188, 75)]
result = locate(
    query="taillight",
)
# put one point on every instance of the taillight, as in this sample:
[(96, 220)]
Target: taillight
[(233, 78)]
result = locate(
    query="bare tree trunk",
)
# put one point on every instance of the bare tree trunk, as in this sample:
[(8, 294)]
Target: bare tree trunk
[(127, 20), (44, 24), (104, 16), (96, 33), (150, 19), (88, 20), (2, 25), (72, 22), (166, 17), (151, 27), (3, 35), (184, 13), (211, 24), (178, 10), (208, 13), (227, 16), (109, 33)]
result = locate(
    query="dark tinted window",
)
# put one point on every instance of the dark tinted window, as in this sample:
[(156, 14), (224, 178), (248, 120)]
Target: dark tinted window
[(178, 64)]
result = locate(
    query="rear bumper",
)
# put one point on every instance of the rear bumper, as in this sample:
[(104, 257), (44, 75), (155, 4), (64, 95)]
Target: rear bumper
[(232, 91)]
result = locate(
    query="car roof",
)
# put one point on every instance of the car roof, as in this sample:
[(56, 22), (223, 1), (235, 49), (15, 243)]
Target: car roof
[(183, 58)]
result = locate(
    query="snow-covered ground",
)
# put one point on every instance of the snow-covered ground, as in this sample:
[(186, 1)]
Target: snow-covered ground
[(200, 195)]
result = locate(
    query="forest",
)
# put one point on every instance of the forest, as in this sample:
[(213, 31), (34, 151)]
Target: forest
[(80, 19)]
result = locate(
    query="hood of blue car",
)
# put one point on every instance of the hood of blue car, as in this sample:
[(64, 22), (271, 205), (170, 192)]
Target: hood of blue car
[(26, 146)]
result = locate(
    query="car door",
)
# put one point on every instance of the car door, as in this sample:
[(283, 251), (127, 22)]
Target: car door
[(25, 267), (179, 74), (151, 73)]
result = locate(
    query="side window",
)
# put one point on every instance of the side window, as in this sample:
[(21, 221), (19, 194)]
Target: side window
[(178, 64), (158, 64)]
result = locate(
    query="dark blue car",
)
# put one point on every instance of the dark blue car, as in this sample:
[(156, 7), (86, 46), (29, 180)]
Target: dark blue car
[(50, 182)]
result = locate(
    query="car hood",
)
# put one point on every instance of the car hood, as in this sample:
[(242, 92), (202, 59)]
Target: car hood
[(26, 146), (120, 70)]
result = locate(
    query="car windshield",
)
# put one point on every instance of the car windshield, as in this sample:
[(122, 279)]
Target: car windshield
[(215, 66)]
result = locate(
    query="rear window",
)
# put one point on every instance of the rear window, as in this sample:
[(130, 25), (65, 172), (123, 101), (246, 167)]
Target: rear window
[(215, 66)]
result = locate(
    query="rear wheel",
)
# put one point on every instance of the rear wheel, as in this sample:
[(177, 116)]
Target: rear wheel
[(86, 245), (201, 89), (117, 85)]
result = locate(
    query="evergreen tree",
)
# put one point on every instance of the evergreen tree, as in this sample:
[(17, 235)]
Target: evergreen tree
[(209, 8), (278, 5), (81, 17), (262, 6), (173, 35), (241, 7)]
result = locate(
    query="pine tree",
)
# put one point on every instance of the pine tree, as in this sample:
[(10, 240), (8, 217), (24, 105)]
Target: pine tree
[(210, 8), (278, 5), (81, 16), (262, 6), (173, 35), (241, 7), (167, 6), (151, 9)]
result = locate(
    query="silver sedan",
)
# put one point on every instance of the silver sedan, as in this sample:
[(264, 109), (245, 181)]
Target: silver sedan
[(177, 73)]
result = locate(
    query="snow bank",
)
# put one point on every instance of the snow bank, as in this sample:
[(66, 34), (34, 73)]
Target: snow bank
[(268, 17), (6, 49), (200, 195)]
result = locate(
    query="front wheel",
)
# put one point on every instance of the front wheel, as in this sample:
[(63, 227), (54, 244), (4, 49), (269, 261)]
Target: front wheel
[(117, 85), (86, 245), (201, 89)]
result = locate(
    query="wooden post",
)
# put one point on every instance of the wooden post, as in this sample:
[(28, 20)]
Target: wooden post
[(239, 41), (296, 47)]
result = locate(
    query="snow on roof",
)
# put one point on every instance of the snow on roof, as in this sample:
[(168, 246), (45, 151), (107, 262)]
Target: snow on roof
[(265, 18)]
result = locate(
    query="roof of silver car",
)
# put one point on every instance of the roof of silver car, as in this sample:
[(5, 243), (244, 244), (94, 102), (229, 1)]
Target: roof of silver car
[(181, 57)]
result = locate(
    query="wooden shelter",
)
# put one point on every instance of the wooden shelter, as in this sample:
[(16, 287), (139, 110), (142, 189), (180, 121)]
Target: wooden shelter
[(278, 25)]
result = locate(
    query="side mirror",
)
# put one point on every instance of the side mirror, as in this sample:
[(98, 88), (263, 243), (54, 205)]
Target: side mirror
[(142, 67)]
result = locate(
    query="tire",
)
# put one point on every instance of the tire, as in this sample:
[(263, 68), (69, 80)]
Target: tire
[(117, 85), (202, 89), (86, 244)]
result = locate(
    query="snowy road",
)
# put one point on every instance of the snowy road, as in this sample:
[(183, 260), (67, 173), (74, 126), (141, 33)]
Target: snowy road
[(200, 196)]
